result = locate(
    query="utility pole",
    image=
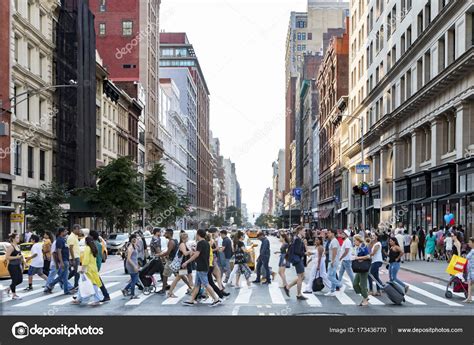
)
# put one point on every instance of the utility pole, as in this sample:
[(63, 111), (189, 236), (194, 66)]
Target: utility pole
[(363, 175)]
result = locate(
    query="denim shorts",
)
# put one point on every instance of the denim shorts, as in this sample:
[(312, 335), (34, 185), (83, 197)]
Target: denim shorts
[(299, 267), (34, 270), (201, 279)]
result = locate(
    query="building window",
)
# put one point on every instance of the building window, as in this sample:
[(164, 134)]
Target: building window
[(42, 165), (310, 36), (441, 55), (127, 28), (102, 7), (29, 57), (101, 29), (30, 162), (17, 158)]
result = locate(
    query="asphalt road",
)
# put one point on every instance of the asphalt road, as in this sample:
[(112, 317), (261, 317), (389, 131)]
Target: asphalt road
[(426, 297)]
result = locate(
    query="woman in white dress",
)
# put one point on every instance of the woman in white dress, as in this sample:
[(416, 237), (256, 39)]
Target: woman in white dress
[(318, 267)]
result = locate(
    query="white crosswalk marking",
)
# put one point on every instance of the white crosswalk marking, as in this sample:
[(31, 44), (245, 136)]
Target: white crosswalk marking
[(244, 296), (39, 299), (434, 297), (139, 300), (313, 301), (69, 299), (276, 294), (344, 299), (116, 294), (414, 301), (179, 293), (441, 287), (375, 301), (22, 295)]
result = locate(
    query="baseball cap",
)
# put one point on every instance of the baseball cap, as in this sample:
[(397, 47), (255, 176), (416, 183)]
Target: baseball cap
[(347, 232)]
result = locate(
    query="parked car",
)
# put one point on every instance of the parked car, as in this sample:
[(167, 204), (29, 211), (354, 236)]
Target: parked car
[(116, 242), (3, 262)]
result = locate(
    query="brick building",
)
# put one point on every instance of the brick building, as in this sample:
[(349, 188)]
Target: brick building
[(333, 80)]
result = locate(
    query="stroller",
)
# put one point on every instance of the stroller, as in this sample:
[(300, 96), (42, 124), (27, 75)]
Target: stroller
[(458, 284), (146, 280)]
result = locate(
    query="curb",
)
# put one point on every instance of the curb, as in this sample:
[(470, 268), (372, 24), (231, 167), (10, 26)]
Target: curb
[(424, 274)]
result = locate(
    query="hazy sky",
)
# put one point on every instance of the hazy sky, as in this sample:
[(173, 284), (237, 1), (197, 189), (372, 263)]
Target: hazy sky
[(240, 45)]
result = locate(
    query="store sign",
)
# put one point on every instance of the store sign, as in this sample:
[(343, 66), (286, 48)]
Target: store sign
[(16, 217), (376, 203), (362, 169)]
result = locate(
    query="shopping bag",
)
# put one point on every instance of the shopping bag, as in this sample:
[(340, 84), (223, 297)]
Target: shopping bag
[(456, 265), (86, 288)]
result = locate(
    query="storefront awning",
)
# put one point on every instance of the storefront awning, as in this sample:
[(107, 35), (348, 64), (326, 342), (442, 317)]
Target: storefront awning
[(354, 210), (457, 196), (323, 214), (433, 198)]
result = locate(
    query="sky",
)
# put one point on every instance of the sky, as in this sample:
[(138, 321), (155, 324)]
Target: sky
[(240, 45)]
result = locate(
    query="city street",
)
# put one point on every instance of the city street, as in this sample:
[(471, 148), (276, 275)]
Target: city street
[(426, 297)]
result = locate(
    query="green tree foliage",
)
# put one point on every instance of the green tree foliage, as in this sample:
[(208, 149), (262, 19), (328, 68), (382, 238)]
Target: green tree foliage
[(118, 194), (217, 221), (43, 207)]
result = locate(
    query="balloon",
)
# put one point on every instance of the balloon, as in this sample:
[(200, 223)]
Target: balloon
[(449, 218), (446, 218)]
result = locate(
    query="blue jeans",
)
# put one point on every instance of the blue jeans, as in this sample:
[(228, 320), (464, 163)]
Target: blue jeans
[(332, 275), (346, 265), (225, 267), (131, 285), (374, 271), (393, 271), (62, 278), (263, 261)]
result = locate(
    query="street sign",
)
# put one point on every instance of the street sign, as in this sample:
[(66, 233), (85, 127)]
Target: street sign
[(362, 169), (16, 218), (297, 193)]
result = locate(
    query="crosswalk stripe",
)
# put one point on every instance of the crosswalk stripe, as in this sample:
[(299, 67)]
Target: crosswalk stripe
[(344, 299), (179, 293), (276, 294), (434, 297), (375, 301), (39, 299), (5, 298), (69, 299), (441, 287), (139, 300), (244, 296), (313, 301), (116, 294), (414, 301)]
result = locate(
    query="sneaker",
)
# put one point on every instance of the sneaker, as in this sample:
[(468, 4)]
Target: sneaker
[(189, 303), (301, 298), (287, 291), (105, 299), (330, 294), (226, 294), (307, 292), (48, 291), (124, 292), (161, 292), (406, 289), (29, 288), (134, 297), (256, 282), (215, 303)]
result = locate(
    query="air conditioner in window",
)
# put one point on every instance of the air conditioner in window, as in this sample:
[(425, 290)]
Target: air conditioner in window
[(4, 130)]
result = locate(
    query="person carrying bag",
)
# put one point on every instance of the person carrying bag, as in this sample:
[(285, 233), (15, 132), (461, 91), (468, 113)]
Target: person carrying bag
[(361, 266)]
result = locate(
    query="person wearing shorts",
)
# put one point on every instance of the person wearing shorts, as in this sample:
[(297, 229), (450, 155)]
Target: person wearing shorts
[(201, 256), (298, 253), (37, 262), (168, 256)]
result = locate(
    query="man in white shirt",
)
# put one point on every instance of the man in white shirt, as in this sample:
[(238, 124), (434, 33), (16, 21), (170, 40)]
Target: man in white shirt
[(346, 256), (334, 249), (37, 262)]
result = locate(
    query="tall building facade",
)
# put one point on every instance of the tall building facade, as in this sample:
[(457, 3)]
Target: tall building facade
[(305, 35), (188, 108), (32, 46), (267, 201), (406, 59), (333, 80), (173, 133), (6, 156), (179, 53), (127, 36), (220, 202)]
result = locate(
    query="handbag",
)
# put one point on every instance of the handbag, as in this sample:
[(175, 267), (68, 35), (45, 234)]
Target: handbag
[(361, 266), (318, 284), (86, 288), (176, 263)]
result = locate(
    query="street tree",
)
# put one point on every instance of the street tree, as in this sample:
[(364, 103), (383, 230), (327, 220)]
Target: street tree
[(234, 212), (118, 194), (43, 207), (217, 221)]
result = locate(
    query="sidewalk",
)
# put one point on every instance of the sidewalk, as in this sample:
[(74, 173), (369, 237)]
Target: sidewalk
[(430, 269)]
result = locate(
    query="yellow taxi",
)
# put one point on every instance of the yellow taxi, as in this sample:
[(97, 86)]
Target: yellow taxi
[(3, 261), (252, 233), (25, 249)]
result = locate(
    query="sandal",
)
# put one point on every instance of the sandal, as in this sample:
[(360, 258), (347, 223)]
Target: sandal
[(172, 295), (75, 302)]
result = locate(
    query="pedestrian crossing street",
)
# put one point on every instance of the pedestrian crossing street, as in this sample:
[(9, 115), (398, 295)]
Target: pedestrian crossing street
[(423, 294)]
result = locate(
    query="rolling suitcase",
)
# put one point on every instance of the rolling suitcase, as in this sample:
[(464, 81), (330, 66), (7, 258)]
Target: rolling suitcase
[(394, 292)]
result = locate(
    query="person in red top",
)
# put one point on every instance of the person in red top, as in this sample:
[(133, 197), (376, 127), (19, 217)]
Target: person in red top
[(339, 237)]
